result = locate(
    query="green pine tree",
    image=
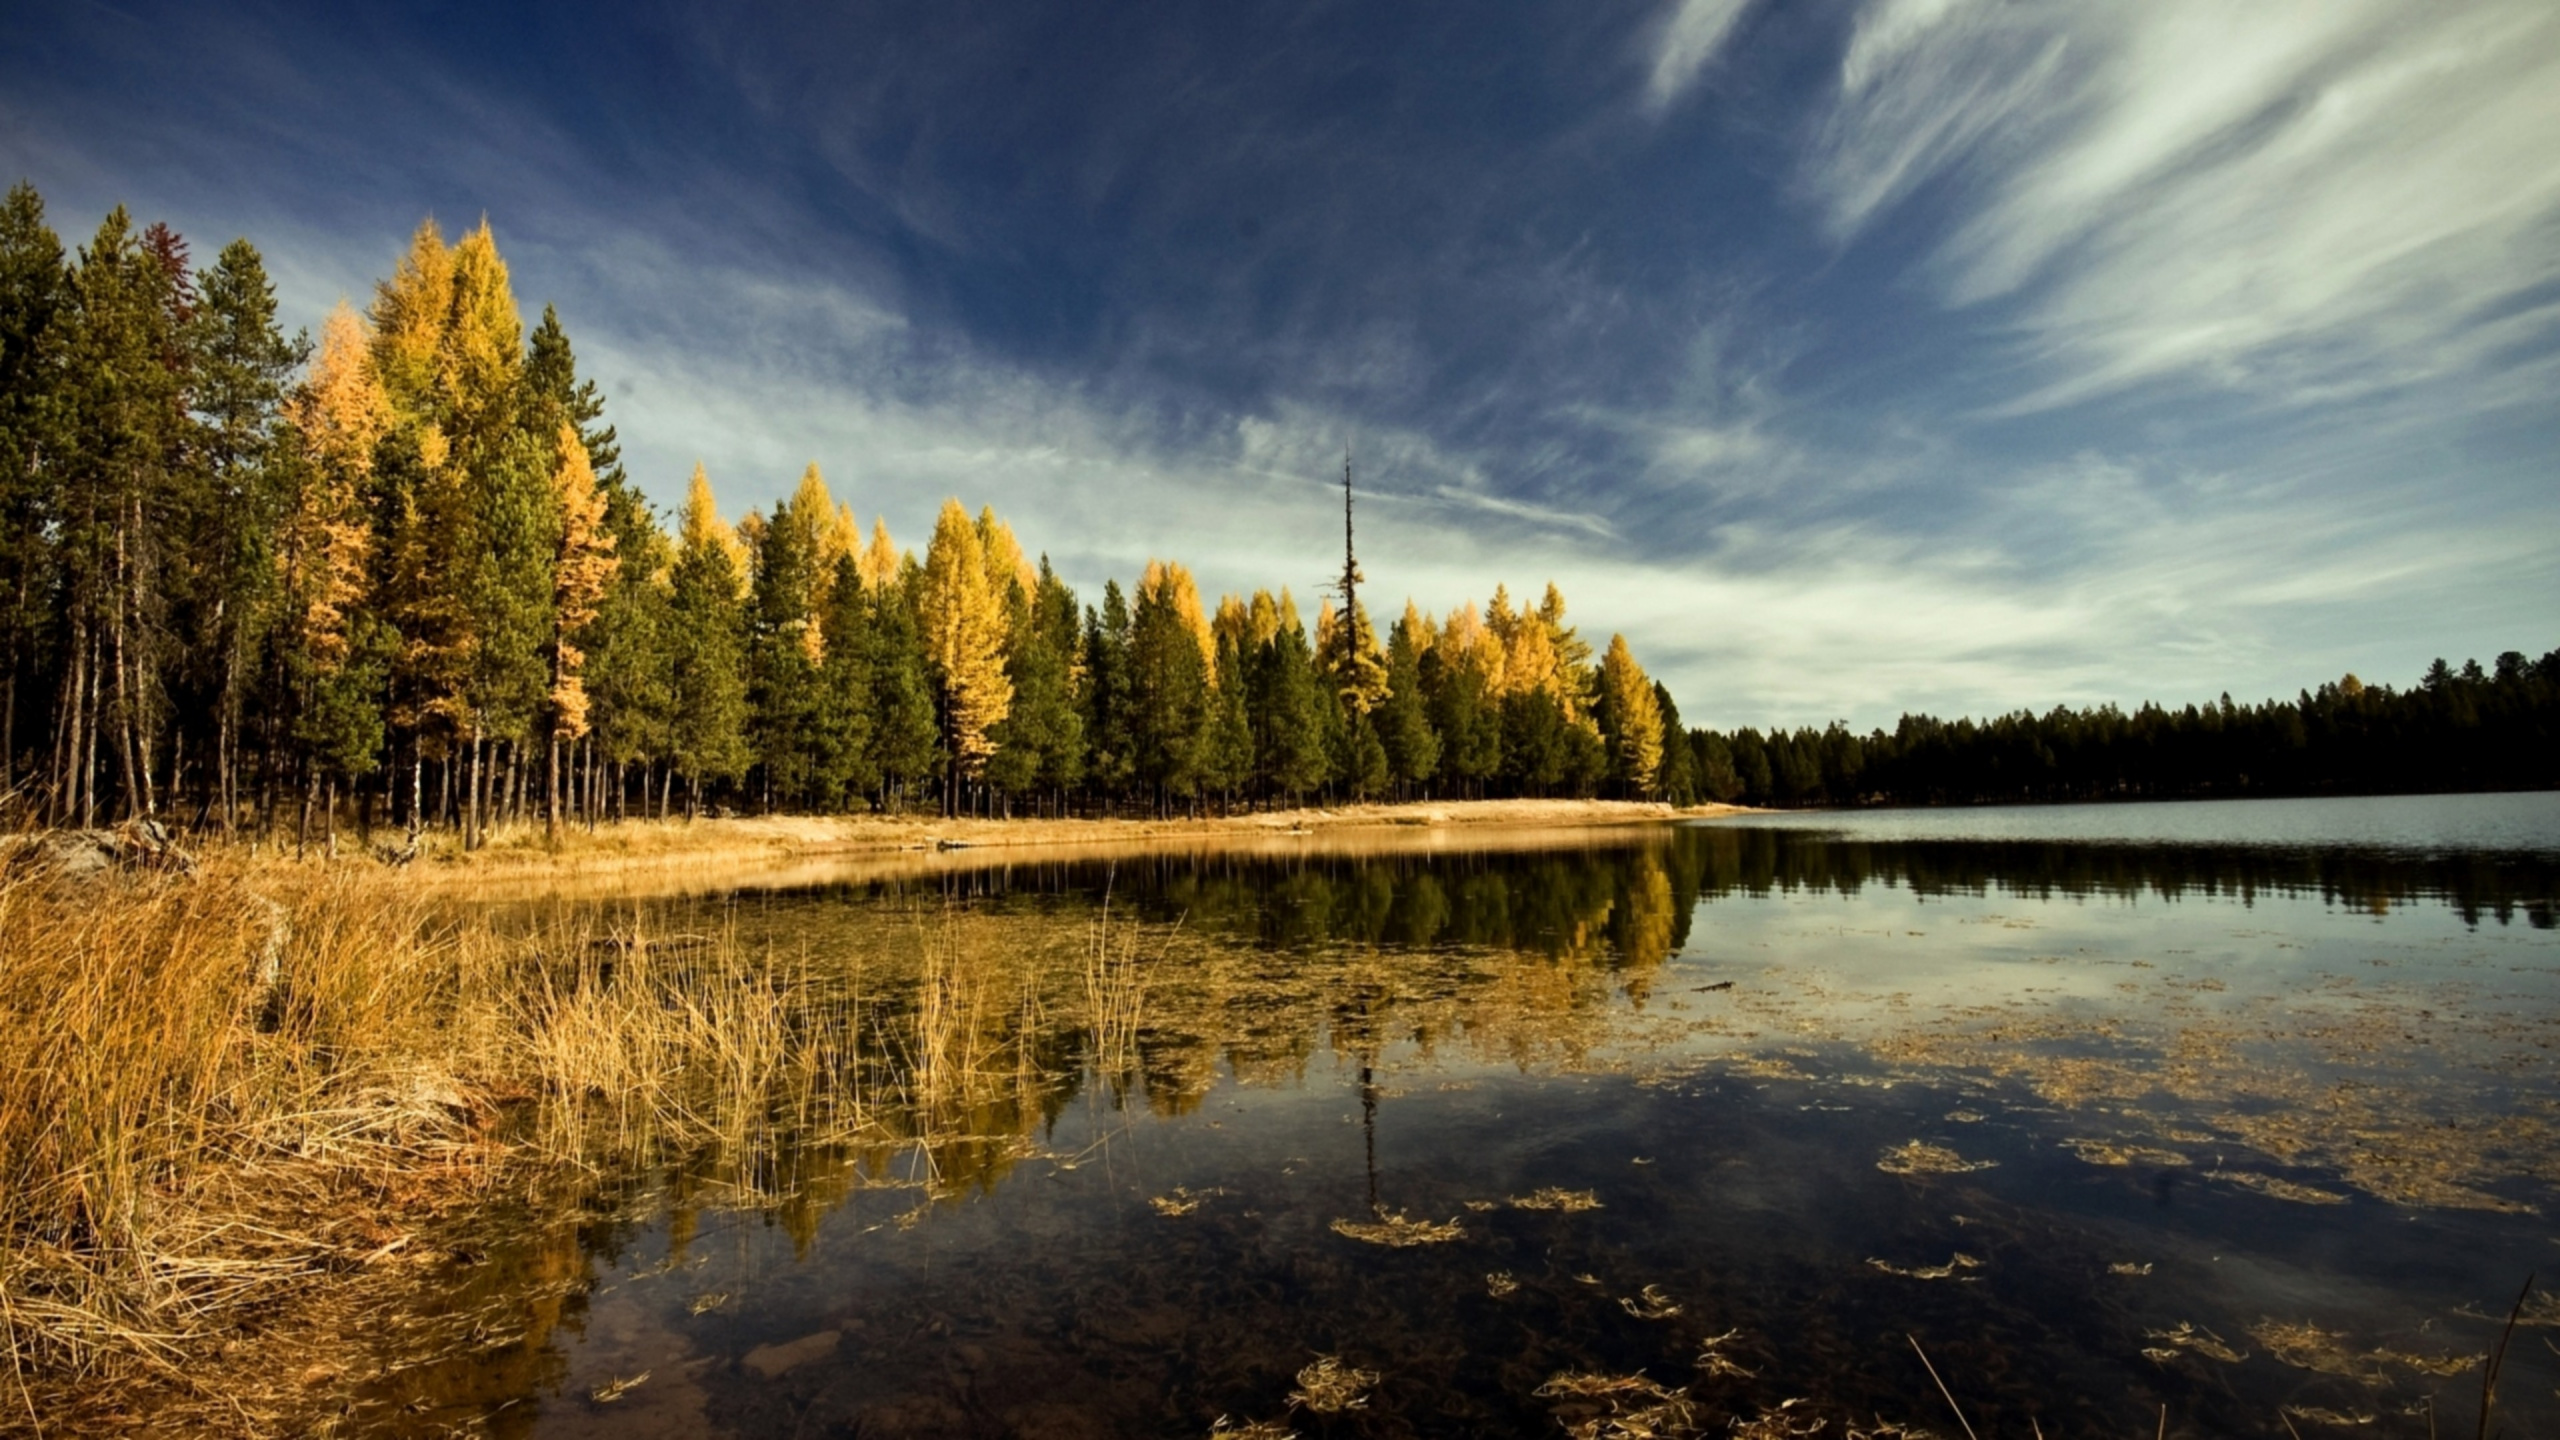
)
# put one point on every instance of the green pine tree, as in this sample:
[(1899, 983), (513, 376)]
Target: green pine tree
[(241, 363), (906, 734), (1110, 737), (846, 761), (33, 291), (1289, 747), (1404, 721), (709, 659)]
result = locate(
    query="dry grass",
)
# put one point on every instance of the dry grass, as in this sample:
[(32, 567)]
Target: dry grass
[(1551, 1197), (199, 1162), (1397, 1231), (1329, 1387), (1918, 1157), (1956, 1265)]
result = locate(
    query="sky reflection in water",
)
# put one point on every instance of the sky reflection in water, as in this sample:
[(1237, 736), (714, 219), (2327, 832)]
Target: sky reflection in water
[(2229, 1129)]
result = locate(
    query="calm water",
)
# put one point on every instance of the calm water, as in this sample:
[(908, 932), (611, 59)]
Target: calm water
[(1663, 1131), (2518, 821)]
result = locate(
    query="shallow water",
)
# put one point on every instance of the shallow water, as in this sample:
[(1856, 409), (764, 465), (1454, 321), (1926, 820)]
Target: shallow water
[(1659, 1131)]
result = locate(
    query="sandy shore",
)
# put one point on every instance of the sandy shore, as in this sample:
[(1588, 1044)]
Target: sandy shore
[(675, 850)]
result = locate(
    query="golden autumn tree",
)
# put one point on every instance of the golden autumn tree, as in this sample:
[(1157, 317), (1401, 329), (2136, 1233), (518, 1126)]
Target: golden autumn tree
[(1633, 719), (325, 547), (964, 634), (470, 531), (339, 414), (582, 567), (1010, 577), (879, 561)]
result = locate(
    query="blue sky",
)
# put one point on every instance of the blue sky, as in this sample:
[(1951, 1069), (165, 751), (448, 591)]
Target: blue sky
[(1850, 358)]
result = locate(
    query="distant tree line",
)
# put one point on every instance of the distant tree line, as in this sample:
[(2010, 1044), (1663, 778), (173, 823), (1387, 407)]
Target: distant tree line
[(401, 575), (2457, 729)]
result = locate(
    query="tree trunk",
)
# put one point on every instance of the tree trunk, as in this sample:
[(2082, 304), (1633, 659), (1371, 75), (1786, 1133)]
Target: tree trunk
[(471, 814), (551, 810)]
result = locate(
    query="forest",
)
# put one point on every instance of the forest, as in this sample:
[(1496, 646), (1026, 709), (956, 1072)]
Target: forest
[(399, 575), (2455, 730)]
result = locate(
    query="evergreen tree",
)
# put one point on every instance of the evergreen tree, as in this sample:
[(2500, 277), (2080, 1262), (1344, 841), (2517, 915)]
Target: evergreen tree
[(631, 660), (709, 660), (1168, 683), (904, 726), (1364, 766), (1110, 735), (785, 642), (1226, 758), (240, 364), (1289, 745), (1404, 721), (33, 291), (1535, 756), (1718, 778), (1466, 716), (1678, 780), (121, 442), (1040, 742), (847, 762)]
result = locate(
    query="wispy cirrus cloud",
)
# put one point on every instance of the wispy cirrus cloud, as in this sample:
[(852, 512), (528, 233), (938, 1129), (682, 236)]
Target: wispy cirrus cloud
[(2299, 202), (1691, 33)]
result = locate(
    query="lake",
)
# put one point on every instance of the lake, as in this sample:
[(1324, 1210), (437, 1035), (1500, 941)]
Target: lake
[(2185, 1119)]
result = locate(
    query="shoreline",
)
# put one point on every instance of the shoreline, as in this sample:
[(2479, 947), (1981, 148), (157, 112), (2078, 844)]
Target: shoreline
[(641, 848)]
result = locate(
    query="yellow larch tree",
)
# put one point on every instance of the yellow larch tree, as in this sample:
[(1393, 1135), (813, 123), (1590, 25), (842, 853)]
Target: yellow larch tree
[(964, 633), (1467, 641), (879, 562), (699, 524), (339, 414), (410, 312), (1233, 624), (1635, 718), (1263, 617), (816, 523), (582, 567), (1419, 626), (1168, 583)]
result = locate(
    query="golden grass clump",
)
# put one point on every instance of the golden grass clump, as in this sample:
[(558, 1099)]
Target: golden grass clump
[(2108, 1152), (1650, 1304), (1596, 1406), (1955, 1265), (1918, 1157), (2186, 1335), (1329, 1387), (1549, 1197), (1397, 1232), (1226, 1429), (2276, 1189)]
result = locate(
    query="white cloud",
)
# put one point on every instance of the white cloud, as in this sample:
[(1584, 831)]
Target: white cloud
[(1689, 37), (2302, 201)]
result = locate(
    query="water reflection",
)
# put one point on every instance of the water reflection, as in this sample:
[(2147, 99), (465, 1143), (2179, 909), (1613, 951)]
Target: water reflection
[(2254, 1135)]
